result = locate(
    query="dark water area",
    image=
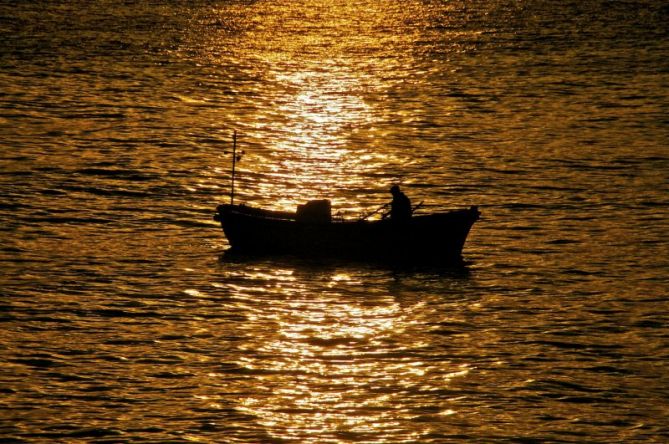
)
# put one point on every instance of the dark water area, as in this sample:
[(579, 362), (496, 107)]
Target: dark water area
[(123, 320)]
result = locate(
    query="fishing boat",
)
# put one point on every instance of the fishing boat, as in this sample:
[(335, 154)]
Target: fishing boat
[(311, 231)]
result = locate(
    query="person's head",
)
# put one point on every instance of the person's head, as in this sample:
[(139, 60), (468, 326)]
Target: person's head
[(395, 189)]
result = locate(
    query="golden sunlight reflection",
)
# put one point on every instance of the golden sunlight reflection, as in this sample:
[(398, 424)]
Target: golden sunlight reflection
[(312, 154), (310, 116), (339, 364)]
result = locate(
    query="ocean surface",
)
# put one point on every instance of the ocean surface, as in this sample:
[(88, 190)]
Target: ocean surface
[(124, 321)]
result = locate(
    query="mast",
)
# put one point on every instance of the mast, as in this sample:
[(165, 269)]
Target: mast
[(234, 162)]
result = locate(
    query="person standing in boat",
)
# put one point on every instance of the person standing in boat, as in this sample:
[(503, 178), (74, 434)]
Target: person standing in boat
[(400, 207)]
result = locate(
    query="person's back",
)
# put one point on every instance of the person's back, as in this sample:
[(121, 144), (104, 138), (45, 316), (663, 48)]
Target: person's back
[(400, 207)]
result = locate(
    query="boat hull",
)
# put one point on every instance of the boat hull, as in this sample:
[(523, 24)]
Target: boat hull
[(428, 238)]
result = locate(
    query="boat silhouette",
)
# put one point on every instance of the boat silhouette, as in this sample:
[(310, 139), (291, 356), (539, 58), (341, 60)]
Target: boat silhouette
[(311, 231)]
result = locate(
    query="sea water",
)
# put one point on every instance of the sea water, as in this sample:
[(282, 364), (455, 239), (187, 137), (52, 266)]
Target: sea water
[(123, 320)]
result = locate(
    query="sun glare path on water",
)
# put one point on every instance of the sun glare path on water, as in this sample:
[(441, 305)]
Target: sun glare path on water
[(329, 367), (324, 65)]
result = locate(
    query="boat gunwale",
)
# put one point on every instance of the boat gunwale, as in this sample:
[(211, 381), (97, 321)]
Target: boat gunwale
[(287, 216)]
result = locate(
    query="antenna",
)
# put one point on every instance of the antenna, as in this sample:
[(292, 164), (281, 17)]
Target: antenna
[(234, 163)]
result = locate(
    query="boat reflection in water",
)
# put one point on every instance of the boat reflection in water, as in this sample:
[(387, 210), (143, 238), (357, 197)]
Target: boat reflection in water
[(311, 231)]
